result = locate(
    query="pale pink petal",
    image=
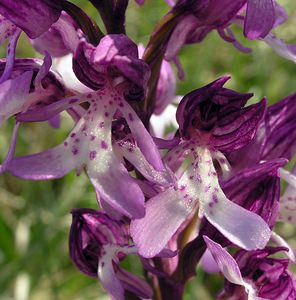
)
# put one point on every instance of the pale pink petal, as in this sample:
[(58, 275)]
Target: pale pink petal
[(106, 274), (279, 241), (228, 266), (164, 214)]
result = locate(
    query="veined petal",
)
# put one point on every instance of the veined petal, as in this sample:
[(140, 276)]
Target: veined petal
[(59, 40), (34, 17), (229, 267), (13, 95), (164, 214), (237, 129), (257, 188), (260, 18)]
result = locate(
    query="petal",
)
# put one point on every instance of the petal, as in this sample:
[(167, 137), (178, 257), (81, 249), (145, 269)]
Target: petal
[(240, 226), (238, 128), (142, 137), (59, 40), (44, 69), (104, 167), (10, 57), (34, 17), (208, 263), (133, 283), (179, 36), (11, 150), (280, 242), (164, 214), (260, 18), (257, 189), (7, 29), (50, 164), (133, 154), (106, 274), (288, 200), (228, 266), (125, 196), (287, 51), (14, 95), (47, 112), (166, 87)]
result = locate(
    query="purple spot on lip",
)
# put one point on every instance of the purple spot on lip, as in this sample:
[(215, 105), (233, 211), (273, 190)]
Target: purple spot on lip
[(73, 101), (74, 150), (130, 116), (106, 114), (92, 155), (92, 137), (77, 141), (65, 144), (101, 125), (104, 145), (121, 104), (211, 204), (215, 198), (182, 187), (89, 96), (72, 134)]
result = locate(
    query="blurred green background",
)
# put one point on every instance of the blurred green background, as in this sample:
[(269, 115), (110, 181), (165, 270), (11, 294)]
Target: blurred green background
[(35, 216)]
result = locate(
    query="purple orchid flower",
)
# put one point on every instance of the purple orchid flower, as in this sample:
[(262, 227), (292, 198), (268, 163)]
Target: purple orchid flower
[(97, 244), (95, 144), (268, 275), (212, 120)]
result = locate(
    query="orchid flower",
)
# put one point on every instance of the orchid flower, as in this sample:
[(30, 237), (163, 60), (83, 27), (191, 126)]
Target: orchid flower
[(97, 146), (207, 129), (97, 244), (269, 276)]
